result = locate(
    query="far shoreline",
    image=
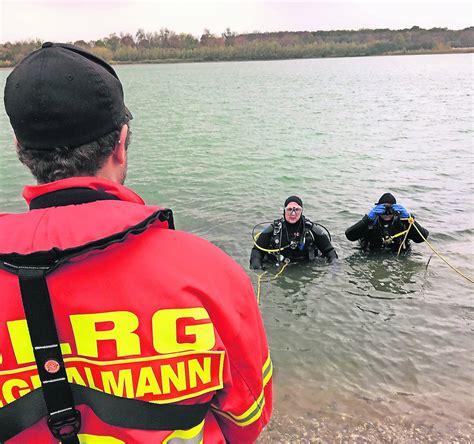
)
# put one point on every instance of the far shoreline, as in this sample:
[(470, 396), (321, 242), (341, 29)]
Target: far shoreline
[(468, 50)]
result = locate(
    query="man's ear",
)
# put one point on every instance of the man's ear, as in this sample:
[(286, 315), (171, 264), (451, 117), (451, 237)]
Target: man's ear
[(120, 153)]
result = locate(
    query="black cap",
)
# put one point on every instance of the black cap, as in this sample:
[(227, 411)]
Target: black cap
[(62, 95), (387, 198), (295, 199)]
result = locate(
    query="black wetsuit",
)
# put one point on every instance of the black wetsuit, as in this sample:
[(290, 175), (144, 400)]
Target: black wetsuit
[(372, 235), (300, 241)]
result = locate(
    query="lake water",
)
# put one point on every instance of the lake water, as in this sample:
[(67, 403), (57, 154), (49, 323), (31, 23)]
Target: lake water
[(381, 348)]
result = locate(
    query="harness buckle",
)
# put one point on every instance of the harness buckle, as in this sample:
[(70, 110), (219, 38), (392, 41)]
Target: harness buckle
[(65, 425), (277, 224)]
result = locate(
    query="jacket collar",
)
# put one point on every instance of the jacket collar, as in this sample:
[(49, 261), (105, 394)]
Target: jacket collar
[(121, 192)]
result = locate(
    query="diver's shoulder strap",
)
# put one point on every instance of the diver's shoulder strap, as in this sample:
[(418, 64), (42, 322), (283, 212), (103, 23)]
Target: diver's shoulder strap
[(309, 225), (277, 226), (308, 229), (277, 232)]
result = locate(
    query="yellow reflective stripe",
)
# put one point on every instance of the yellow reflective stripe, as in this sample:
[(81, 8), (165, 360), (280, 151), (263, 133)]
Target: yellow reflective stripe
[(96, 439), (268, 364), (267, 371), (191, 436), (254, 412), (250, 416)]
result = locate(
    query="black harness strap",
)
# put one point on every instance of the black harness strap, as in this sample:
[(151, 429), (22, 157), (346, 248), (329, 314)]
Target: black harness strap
[(64, 420), (120, 412)]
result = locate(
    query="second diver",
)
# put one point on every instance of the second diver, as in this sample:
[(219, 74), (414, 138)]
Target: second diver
[(387, 227)]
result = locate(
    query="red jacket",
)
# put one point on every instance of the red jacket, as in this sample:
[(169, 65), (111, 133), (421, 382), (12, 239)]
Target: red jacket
[(163, 316)]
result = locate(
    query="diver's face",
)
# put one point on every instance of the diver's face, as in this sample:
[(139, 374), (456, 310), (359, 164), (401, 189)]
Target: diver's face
[(386, 218), (293, 213)]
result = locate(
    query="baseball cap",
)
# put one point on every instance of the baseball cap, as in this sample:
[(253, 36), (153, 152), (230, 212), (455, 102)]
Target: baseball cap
[(62, 95)]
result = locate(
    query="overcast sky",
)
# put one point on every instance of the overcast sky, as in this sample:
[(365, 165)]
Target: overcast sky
[(69, 20)]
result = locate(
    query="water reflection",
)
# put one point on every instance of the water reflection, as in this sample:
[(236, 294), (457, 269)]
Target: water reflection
[(293, 291), (392, 277)]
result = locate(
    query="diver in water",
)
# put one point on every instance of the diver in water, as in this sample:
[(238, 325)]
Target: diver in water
[(292, 237), (387, 226)]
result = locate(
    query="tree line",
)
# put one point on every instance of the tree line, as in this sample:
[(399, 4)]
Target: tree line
[(168, 46)]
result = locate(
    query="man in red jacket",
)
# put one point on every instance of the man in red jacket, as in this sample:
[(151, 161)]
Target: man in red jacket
[(113, 328)]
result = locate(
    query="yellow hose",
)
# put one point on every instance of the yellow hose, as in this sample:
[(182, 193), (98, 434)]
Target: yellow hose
[(265, 249)]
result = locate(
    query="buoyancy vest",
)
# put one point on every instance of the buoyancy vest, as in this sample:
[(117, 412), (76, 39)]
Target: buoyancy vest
[(304, 242), (86, 255), (380, 237)]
